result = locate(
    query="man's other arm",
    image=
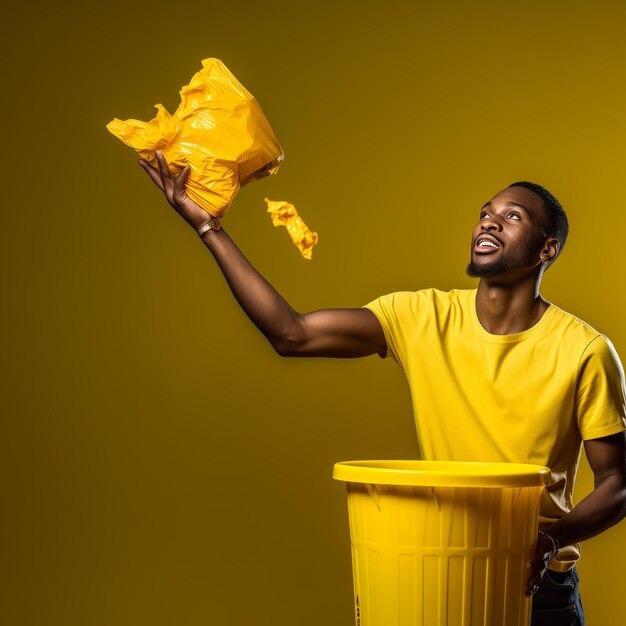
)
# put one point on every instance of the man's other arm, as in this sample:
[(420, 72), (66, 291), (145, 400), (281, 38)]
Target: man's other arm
[(604, 507)]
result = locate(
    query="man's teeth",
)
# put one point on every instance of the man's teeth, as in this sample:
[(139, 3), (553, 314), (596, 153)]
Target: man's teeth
[(484, 244)]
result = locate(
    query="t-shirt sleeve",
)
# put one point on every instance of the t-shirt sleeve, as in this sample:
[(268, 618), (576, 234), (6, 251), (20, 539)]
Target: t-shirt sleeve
[(394, 312), (600, 405)]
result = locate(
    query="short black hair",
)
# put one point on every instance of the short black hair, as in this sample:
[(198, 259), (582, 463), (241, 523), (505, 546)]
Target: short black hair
[(556, 214)]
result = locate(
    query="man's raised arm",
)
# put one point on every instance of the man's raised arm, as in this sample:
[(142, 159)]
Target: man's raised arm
[(338, 333)]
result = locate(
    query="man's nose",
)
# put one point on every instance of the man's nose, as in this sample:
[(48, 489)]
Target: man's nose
[(491, 223)]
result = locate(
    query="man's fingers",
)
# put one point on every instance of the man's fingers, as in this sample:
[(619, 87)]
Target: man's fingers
[(181, 179), (531, 590), (531, 584), (536, 575), (533, 580), (163, 166), (154, 175), (172, 186)]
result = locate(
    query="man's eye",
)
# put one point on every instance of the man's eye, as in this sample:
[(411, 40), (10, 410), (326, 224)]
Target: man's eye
[(483, 214), (515, 215)]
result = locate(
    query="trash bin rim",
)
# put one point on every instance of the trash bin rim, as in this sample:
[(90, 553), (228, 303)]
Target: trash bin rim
[(442, 473)]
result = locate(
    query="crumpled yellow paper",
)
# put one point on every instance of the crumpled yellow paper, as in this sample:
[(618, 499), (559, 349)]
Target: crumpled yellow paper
[(218, 128), (285, 214)]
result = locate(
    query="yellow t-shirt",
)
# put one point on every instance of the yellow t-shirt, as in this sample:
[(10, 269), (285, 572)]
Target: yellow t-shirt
[(528, 397)]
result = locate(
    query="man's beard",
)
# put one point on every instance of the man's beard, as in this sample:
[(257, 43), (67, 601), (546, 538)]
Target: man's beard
[(486, 270)]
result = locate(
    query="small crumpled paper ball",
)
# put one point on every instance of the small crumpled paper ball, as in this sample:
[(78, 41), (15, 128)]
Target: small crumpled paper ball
[(285, 214)]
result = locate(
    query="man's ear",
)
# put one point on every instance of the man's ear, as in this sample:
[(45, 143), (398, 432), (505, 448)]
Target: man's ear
[(551, 249)]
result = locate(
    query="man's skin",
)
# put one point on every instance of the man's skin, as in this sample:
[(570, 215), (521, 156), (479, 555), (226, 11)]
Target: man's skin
[(507, 301)]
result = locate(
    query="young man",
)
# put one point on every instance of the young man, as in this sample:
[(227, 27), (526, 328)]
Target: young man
[(496, 373)]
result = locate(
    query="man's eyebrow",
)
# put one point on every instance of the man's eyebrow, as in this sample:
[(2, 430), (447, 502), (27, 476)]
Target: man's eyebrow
[(509, 203)]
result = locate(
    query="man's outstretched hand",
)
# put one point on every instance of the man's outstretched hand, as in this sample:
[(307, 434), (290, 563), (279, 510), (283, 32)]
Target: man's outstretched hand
[(174, 189), (539, 563)]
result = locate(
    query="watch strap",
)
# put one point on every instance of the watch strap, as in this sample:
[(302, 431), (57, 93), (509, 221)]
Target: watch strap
[(212, 224)]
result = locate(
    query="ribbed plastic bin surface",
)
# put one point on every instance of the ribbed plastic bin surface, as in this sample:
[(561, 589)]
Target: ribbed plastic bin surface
[(441, 543)]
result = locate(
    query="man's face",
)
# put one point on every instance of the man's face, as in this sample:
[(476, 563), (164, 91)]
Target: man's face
[(510, 234)]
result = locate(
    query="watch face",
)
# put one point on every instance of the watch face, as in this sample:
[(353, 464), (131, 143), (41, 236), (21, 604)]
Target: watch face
[(215, 224)]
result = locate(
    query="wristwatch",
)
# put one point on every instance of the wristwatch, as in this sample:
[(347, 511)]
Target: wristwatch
[(212, 224)]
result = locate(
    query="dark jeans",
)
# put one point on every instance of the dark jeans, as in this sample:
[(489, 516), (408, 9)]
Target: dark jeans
[(557, 601)]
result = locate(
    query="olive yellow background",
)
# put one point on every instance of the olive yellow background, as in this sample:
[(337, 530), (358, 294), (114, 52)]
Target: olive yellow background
[(160, 464)]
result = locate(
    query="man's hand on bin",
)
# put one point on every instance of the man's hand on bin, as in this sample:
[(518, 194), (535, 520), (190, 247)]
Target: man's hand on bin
[(544, 552), (174, 190)]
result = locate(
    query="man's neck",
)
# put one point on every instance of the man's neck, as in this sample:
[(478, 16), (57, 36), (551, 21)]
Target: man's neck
[(506, 309)]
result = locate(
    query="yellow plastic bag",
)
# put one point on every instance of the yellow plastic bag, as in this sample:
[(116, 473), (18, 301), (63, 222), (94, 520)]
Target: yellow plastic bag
[(285, 214), (218, 128)]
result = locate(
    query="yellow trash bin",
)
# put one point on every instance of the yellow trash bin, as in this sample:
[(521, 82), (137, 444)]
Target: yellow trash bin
[(441, 543)]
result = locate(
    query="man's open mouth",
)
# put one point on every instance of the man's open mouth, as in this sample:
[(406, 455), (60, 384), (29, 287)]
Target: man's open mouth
[(486, 244)]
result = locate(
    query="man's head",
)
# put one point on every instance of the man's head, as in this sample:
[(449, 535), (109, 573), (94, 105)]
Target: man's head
[(521, 230)]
